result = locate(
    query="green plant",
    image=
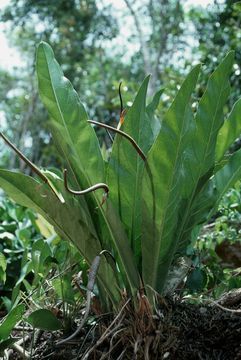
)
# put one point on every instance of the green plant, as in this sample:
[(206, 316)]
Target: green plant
[(36, 269), (159, 195), (18, 232), (217, 253), (13, 317), (30, 251)]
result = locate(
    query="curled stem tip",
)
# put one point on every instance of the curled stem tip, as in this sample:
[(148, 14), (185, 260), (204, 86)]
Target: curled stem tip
[(86, 191), (121, 101), (122, 133), (122, 110)]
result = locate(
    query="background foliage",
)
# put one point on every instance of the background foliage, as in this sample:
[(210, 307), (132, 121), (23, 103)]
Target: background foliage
[(99, 45)]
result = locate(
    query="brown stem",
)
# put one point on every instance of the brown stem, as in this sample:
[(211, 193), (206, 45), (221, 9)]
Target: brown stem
[(23, 157), (32, 166), (86, 191), (90, 286), (122, 133), (121, 101)]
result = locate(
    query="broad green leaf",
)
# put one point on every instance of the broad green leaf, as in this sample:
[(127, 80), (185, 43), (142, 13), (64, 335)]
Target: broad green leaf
[(125, 168), (150, 113), (209, 117), (13, 317), (225, 178), (200, 154), (230, 131), (122, 248), (75, 139), (207, 201), (162, 186), (196, 280), (66, 110), (30, 193), (44, 319)]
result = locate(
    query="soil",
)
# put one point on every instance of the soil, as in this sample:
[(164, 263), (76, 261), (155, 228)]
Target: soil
[(178, 330)]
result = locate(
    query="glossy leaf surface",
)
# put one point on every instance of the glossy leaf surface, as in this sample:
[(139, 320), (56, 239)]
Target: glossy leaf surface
[(69, 115), (162, 185), (230, 131), (200, 155), (30, 193)]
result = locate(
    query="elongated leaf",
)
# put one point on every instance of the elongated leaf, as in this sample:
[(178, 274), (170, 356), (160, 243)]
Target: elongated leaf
[(207, 201), (30, 193), (200, 154), (230, 131), (125, 168), (122, 248), (162, 184), (75, 139), (13, 317), (209, 118), (151, 117), (66, 110)]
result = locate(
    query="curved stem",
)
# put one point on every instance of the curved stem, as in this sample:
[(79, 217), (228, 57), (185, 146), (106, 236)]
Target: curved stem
[(32, 166), (23, 157), (86, 191), (121, 101), (122, 133)]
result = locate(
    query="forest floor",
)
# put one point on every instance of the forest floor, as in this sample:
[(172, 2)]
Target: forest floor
[(178, 330)]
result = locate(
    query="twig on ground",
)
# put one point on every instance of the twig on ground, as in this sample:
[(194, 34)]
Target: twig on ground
[(210, 301), (121, 355), (108, 331), (24, 354)]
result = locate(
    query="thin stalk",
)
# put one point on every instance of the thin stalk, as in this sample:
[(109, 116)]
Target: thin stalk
[(32, 343), (122, 133), (90, 286), (32, 166), (86, 191), (121, 101), (26, 160), (122, 110)]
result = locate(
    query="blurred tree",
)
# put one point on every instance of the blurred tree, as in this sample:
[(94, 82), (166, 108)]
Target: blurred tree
[(218, 31), (76, 30), (159, 29), (80, 33)]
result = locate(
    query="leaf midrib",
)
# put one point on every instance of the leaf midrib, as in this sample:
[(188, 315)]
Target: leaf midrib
[(159, 243), (200, 170)]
